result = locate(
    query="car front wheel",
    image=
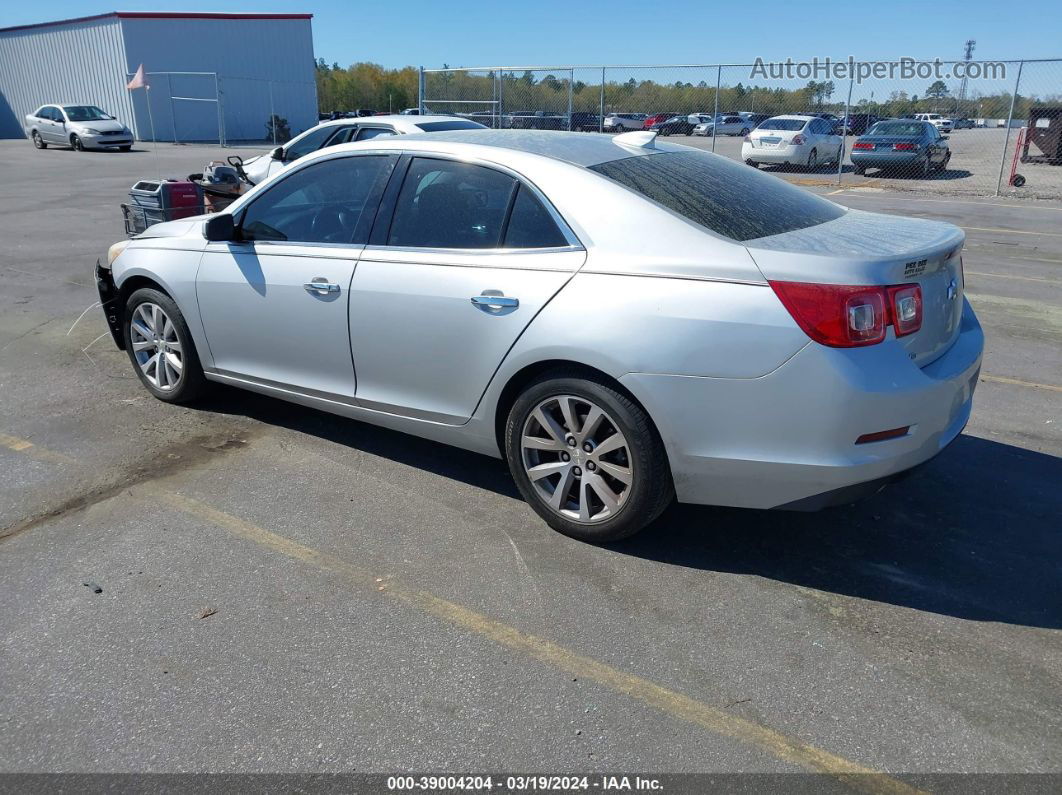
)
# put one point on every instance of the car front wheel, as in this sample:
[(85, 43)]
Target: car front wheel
[(77, 144), (587, 458), (160, 347), (38, 141)]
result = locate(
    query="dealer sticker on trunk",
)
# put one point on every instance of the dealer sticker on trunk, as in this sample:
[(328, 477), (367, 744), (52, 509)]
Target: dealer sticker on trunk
[(914, 268)]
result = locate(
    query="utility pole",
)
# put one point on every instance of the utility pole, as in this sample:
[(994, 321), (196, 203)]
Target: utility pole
[(967, 57)]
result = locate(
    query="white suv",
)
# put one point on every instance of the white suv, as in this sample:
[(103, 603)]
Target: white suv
[(942, 124)]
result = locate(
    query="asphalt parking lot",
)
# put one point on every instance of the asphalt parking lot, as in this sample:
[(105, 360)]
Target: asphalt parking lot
[(285, 590)]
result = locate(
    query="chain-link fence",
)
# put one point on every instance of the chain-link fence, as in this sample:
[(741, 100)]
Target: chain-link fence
[(1000, 122), (207, 107)]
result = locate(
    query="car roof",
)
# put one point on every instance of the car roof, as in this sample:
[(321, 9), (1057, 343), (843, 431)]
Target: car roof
[(577, 148), (400, 121), (800, 116)]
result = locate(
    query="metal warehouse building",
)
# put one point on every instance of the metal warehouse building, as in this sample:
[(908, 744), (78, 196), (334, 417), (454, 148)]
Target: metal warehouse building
[(212, 76)]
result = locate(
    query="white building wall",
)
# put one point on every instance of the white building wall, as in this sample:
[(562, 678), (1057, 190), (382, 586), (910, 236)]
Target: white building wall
[(75, 62)]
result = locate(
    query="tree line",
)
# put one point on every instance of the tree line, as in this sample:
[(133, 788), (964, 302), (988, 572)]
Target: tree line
[(368, 85)]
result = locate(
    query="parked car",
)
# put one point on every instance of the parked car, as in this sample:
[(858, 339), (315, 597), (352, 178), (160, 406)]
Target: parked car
[(656, 118), (624, 122), (941, 123), (537, 120), (724, 125), (77, 126), (963, 124), (341, 131), (754, 119), (859, 123), (675, 125), (807, 141), (780, 352), (584, 122), (906, 145)]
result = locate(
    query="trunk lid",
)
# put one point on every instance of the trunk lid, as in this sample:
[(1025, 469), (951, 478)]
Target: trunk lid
[(862, 248)]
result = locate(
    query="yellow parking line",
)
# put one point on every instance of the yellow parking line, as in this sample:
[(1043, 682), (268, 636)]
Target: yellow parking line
[(1010, 231), (1000, 379), (17, 445), (558, 657), (1009, 276)]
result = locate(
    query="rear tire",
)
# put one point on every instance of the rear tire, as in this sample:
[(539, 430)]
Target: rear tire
[(753, 163), (38, 141), (154, 325), (860, 170), (813, 160), (631, 473)]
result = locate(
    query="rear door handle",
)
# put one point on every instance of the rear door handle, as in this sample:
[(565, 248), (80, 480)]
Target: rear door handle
[(320, 286), (495, 301)]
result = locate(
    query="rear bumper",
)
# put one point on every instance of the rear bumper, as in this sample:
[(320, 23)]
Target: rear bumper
[(785, 154), (787, 439), (885, 159)]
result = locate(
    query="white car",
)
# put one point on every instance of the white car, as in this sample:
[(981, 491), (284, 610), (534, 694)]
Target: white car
[(624, 320), (342, 131), (78, 126), (807, 141), (940, 122), (624, 122), (724, 125)]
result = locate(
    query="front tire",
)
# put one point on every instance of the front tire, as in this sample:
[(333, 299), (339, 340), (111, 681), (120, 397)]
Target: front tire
[(124, 148), (161, 348), (587, 458), (38, 141), (76, 143)]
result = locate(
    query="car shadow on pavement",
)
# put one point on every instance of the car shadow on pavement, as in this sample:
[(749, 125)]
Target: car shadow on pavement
[(975, 533)]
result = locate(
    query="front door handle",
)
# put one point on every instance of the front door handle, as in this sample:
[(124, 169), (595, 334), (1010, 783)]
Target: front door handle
[(495, 301), (321, 286)]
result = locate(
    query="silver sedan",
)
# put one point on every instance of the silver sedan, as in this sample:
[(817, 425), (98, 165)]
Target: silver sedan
[(625, 321)]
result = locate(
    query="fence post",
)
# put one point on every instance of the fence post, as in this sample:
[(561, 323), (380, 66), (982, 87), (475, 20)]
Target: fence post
[(601, 115), (173, 113), (844, 129), (1010, 115), (571, 89), (501, 103), (420, 89), (221, 110), (715, 117), (272, 114)]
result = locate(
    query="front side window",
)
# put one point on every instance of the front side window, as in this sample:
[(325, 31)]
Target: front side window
[(321, 203), (722, 195), (310, 142), (445, 204)]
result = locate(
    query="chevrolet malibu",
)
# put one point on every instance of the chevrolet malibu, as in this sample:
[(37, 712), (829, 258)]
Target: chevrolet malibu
[(625, 321)]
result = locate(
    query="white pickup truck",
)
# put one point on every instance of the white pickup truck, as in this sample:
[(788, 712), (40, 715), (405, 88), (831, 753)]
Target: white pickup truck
[(942, 124)]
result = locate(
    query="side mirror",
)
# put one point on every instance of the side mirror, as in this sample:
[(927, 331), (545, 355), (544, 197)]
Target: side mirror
[(278, 153), (219, 228)]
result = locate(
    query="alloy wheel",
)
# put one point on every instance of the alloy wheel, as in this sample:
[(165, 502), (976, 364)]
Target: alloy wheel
[(577, 459), (156, 346)]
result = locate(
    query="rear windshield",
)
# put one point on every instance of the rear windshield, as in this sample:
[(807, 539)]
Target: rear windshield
[(897, 128), (456, 124), (729, 198), (783, 124)]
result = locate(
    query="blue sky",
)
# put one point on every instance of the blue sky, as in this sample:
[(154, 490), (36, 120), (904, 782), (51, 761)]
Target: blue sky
[(434, 32)]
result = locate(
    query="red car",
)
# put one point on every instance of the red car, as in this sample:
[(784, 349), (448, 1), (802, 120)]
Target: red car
[(657, 117)]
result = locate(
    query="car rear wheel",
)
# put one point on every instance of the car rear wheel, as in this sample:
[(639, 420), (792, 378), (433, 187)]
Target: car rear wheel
[(38, 141), (813, 160), (744, 131), (160, 347), (924, 167), (753, 163), (860, 170), (75, 142), (587, 458), (944, 163)]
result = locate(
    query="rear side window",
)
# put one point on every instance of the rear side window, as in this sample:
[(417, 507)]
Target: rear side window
[(530, 226), (311, 142), (724, 196)]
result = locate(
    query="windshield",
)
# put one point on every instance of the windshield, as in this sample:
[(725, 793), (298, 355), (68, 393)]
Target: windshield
[(443, 126), (783, 124), (896, 128), (84, 113), (727, 197)]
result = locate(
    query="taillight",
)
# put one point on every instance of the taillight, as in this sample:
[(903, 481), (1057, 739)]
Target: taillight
[(843, 316), (862, 145), (905, 303), (904, 147), (798, 140)]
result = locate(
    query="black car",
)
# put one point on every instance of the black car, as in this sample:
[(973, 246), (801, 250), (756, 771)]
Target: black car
[(585, 122), (859, 123), (537, 120), (676, 125)]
